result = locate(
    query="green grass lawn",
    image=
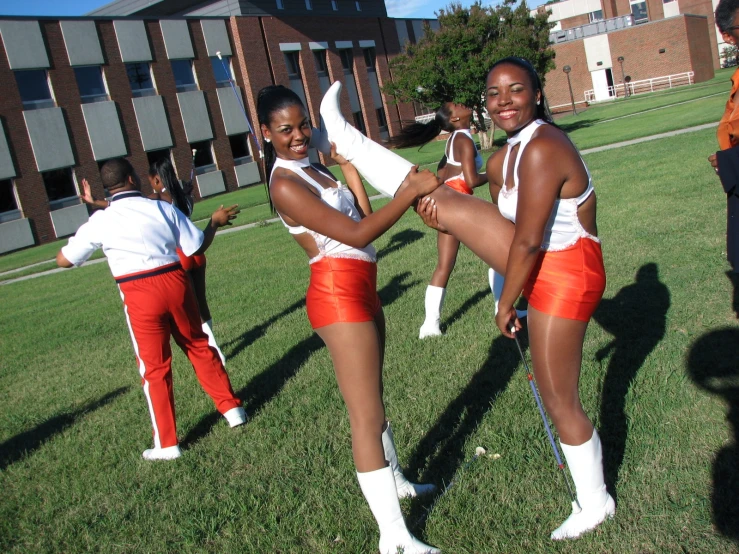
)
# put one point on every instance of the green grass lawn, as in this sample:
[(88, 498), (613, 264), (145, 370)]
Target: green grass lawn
[(74, 421)]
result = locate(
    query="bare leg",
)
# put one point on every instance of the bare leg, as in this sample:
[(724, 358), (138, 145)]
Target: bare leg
[(356, 354), (477, 224), (448, 246), (556, 354)]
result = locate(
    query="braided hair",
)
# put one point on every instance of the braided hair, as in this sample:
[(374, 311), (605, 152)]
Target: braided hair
[(181, 196), (418, 134)]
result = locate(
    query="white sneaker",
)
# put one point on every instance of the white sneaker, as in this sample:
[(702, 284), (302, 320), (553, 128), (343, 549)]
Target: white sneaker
[(581, 521), (235, 416), (168, 453)]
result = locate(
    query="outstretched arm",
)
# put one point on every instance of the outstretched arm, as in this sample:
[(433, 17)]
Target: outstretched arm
[(87, 198), (293, 200), (220, 218), (353, 182)]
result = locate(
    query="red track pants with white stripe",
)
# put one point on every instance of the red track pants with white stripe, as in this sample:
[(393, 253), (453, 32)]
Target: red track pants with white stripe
[(156, 308)]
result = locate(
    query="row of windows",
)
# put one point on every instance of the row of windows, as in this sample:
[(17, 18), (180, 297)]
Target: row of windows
[(36, 90), (309, 5), (61, 184)]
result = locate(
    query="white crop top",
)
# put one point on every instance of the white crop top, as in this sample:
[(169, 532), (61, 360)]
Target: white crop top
[(339, 198), (449, 149), (563, 228)]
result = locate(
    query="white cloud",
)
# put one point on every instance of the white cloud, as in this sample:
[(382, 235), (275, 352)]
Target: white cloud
[(404, 8)]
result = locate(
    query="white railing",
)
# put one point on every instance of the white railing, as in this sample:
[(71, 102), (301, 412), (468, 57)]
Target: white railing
[(645, 85)]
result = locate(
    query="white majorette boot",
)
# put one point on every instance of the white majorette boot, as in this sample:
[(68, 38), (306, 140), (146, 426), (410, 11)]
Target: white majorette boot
[(168, 453), (208, 330), (433, 303), (378, 488), (235, 416), (319, 140), (382, 168), (586, 467), (497, 281), (405, 488)]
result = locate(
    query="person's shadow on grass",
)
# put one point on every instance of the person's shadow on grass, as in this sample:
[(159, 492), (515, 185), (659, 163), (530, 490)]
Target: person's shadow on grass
[(636, 317), (399, 240), (713, 365), (27, 442), (236, 346), (440, 453)]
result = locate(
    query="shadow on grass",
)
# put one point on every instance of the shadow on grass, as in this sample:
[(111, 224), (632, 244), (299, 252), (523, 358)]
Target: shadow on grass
[(713, 365), (395, 288), (27, 442), (398, 241), (440, 453), (734, 278), (263, 388), (236, 346), (464, 308), (636, 317)]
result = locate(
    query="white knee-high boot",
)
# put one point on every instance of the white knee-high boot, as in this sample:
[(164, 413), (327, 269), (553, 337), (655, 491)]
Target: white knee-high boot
[(208, 330), (378, 488), (434, 303), (382, 169), (405, 488), (586, 467), (497, 281)]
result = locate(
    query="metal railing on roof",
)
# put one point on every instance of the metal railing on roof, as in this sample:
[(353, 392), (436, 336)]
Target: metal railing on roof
[(591, 29)]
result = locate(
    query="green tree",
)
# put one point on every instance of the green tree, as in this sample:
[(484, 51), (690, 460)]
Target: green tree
[(452, 62)]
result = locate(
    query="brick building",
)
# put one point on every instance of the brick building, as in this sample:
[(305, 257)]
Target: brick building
[(141, 79), (605, 42)]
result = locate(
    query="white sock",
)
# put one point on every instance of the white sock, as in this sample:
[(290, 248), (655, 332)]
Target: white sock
[(497, 281), (434, 303), (405, 488), (208, 330), (585, 463)]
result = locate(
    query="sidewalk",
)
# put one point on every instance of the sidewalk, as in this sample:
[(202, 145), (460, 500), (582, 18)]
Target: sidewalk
[(376, 197)]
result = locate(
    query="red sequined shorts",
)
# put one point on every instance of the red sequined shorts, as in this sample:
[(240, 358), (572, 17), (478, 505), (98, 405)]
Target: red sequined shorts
[(342, 290), (568, 283)]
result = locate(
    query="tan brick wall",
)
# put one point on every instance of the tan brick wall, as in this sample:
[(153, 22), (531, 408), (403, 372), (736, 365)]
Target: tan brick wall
[(705, 8)]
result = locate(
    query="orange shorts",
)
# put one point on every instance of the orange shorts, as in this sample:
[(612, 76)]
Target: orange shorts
[(191, 262), (568, 283), (342, 290), (459, 184)]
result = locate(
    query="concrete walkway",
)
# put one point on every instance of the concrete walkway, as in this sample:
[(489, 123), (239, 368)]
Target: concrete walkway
[(376, 197)]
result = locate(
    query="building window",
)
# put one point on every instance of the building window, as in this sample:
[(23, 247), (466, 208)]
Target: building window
[(8, 202), (292, 62), (596, 16), (347, 61), (221, 70), (184, 76), (60, 188), (639, 11), (203, 159), (280, 5), (91, 85), (359, 122), (240, 149), (381, 119), (308, 5), (320, 58), (139, 76), (667, 1), (334, 5), (33, 85), (369, 58), (359, 8)]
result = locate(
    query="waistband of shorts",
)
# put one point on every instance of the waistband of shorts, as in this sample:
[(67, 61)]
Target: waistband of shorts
[(148, 273)]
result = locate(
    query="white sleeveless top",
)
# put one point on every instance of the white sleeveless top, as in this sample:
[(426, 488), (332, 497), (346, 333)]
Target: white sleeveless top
[(563, 228), (449, 149), (339, 198)]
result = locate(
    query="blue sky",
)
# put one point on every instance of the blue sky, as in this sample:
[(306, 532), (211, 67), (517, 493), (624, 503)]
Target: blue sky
[(395, 8)]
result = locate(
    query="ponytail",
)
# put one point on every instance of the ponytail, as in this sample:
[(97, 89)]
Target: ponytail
[(418, 134), (180, 197), (269, 163)]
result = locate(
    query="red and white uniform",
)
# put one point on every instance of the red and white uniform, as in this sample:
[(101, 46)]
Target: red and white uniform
[(140, 237)]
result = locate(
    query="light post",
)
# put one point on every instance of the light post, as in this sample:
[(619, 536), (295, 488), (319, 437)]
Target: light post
[(567, 70), (620, 60)]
